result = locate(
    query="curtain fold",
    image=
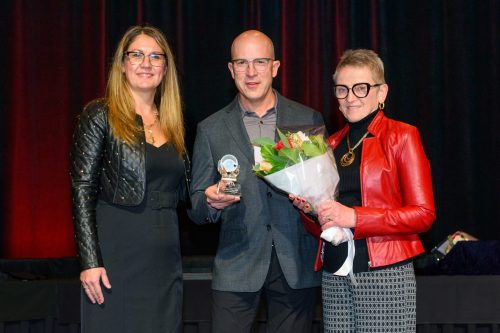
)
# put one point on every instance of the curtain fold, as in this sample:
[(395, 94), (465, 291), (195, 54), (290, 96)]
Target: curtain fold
[(442, 66), (56, 66)]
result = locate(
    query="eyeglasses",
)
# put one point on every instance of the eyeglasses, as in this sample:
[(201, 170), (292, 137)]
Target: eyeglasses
[(260, 64), (137, 57), (360, 90)]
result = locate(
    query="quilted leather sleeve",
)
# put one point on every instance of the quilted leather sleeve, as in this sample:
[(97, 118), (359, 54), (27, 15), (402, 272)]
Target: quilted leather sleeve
[(86, 163)]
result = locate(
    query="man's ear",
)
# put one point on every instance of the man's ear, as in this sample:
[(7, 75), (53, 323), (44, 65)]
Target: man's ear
[(231, 69), (276, 65)]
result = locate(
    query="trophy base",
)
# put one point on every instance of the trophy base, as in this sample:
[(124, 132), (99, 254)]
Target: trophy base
[(233, 189)]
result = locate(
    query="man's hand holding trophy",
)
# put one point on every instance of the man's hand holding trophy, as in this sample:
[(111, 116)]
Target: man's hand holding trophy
[(229, 169)]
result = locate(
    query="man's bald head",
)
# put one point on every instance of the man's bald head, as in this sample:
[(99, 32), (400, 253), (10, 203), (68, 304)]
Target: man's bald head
[(251, 38)]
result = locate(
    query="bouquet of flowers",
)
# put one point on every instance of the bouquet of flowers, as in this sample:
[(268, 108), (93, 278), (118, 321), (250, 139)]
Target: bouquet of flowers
[(301, 163)]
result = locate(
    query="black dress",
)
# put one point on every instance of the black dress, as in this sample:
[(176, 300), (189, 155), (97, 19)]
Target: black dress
[(141, 254)]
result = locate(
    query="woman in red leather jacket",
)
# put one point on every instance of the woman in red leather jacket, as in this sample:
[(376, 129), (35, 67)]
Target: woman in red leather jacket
[(385, 199)]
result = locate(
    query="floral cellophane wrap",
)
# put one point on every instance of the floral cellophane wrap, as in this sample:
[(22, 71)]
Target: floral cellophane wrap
[(314, 178)]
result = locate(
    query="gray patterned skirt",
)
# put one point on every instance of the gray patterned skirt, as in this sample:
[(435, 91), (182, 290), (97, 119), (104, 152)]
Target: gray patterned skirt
[(381, 301)]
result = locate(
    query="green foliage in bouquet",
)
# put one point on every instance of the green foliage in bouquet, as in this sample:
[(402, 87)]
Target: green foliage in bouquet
[(290, 149)]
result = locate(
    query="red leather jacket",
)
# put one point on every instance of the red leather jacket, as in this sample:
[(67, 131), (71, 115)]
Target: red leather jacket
[(396, 192)]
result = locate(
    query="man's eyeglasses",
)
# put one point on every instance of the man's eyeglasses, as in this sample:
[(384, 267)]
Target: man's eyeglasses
[(260, 64), (360, 90), (137, 57)]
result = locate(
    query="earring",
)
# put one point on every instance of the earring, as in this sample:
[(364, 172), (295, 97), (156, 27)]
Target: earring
[(381, 106)]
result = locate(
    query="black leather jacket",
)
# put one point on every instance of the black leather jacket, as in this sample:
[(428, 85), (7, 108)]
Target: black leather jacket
[(102, 167)]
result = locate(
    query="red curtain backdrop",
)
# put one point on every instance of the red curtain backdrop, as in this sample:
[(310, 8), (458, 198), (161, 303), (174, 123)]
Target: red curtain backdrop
[(57, 61), (313, 36), (442, 65)]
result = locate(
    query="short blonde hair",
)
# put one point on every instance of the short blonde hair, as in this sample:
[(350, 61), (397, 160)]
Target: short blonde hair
[(122, 116), (362, 58)]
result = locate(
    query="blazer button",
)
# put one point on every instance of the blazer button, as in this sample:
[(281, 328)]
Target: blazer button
[(269, 195), (268, 227)]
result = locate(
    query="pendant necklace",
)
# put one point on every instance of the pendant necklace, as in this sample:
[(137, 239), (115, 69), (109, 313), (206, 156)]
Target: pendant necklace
[(149, 128), (349, 157)]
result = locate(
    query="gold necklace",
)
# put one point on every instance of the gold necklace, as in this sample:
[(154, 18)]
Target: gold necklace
[(149, 128), (349, 157)]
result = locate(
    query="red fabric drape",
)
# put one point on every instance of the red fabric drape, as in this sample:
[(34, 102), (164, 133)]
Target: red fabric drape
[(48, 74), (307, 29), (442, 72), (70, 52)]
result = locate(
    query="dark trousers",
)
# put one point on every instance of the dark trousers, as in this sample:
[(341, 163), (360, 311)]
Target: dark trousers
[(288, 310)]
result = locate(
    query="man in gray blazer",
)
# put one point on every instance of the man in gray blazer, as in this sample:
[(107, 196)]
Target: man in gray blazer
[(263, 247)]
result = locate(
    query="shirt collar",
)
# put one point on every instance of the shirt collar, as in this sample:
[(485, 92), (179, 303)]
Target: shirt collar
[(272, 110)]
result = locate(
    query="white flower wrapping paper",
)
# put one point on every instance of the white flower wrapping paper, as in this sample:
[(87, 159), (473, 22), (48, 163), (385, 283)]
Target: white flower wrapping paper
[(316, 180)]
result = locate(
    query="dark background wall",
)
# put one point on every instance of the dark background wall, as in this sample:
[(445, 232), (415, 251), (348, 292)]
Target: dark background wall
[(442, 66)]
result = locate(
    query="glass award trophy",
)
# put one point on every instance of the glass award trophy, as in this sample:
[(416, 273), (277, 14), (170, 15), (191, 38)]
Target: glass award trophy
[(229, 169)]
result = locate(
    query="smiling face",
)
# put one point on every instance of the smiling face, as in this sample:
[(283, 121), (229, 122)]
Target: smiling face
[(354, 108), (254, 86), (143, 77)]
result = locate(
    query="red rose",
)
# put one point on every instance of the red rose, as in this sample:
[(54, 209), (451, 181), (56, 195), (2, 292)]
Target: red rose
[(280, 145)]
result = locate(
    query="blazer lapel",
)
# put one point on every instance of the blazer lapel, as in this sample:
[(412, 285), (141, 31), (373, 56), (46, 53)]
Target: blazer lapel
[(234, 125), (286, 118)]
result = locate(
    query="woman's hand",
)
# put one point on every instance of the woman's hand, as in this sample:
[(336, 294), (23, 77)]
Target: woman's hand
[(334, 214), (300, 203), (91, 282)]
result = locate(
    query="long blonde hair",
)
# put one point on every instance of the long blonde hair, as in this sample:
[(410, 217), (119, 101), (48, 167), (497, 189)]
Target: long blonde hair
[(122, 115)]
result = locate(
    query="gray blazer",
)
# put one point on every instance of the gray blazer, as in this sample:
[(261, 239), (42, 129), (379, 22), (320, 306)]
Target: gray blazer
[(263, 215)]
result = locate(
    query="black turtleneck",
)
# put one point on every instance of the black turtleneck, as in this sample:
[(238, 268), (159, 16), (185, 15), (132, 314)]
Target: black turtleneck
[(349, 195)]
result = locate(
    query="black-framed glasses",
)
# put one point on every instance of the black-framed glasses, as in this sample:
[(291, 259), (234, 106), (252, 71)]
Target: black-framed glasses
[(137, 57), (360, 90), (260, 64)]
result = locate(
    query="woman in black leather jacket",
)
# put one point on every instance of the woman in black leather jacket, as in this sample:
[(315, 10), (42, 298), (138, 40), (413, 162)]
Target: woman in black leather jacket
[(127, 176)]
